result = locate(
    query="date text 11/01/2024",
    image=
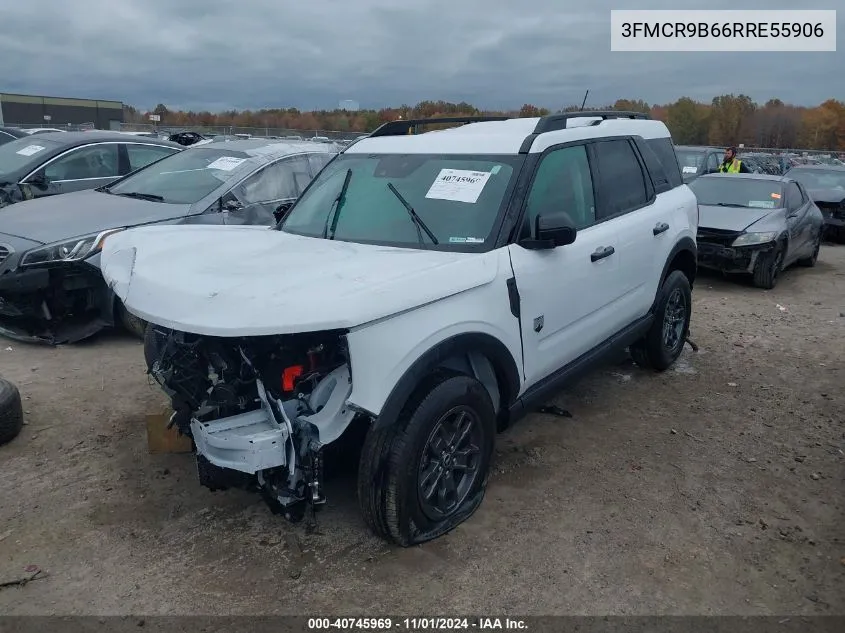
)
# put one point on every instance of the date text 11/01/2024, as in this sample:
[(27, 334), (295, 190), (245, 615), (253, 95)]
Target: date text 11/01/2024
[(415, 624)]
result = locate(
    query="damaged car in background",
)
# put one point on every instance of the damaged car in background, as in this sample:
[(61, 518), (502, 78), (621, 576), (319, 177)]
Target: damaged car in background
[(826, 185), (51, 163), (756, 224), (51, 287)]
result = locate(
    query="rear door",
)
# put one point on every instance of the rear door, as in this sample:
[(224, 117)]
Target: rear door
[(567, 294), (634, 198)]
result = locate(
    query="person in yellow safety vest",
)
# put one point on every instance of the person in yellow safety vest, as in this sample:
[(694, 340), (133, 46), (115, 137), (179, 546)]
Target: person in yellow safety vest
[(731, 164)]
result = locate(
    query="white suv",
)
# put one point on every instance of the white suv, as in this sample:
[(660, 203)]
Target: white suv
[(431, 287)]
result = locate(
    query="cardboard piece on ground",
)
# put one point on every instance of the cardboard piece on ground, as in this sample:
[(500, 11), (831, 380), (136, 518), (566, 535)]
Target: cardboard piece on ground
[(160, 439)]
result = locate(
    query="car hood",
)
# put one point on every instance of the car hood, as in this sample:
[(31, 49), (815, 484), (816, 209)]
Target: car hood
[(255, 281), (68, 215), (730, 218), (830, 196)]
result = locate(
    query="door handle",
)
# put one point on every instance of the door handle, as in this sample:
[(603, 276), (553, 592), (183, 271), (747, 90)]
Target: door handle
[(660, 227), (601, 253)]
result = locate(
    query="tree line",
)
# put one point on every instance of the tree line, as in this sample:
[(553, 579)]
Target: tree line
[(726, 120)]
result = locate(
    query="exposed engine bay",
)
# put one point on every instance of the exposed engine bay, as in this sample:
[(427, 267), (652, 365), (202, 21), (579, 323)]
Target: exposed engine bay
[(259, 409)]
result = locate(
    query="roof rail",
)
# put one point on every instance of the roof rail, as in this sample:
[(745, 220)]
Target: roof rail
[(553, 122), (401, 127)]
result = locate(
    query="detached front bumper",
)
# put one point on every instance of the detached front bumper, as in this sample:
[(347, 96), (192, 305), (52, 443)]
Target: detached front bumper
[(730, 259), (60, 304)]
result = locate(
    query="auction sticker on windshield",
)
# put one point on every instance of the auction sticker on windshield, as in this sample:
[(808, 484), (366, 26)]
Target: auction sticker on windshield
[(226, 163), (29, 150), (761, 204), (690, 170), (459, 185)]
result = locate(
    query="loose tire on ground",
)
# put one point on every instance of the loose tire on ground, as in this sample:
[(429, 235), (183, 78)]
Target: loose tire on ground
[(132, 324), (768, 268), (11, 412), (673, 311), (397, 462)]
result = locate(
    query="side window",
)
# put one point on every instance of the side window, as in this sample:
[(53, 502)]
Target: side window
[(622, 181), (665, 152), (563, 184), (318, 161), (712, 163), (281, 180), (794, 199), (5, 138), (93, 161), (143, 155)]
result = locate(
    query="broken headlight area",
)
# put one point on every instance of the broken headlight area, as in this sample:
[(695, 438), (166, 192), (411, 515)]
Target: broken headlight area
[(260, 410), (56, 305), (732, 251)]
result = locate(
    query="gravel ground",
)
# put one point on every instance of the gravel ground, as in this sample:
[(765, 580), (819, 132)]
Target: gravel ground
[(714, 488)]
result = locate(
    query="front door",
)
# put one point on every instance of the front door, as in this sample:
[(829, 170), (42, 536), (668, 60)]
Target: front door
[(567, 294)]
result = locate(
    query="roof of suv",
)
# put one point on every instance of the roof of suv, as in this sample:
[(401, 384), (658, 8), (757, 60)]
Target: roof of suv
[(508, 136)]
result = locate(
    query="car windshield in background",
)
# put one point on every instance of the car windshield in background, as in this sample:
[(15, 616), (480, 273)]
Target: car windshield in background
[(819, 178), (21, 152), (183, 178), (690, 162), (417, 200), (734, 191)]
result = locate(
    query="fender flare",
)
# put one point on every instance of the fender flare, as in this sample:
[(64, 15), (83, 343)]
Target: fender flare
[(684, 244), (503, 363)]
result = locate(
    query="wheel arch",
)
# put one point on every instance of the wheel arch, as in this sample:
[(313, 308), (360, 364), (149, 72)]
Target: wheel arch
[(480, 355), (683, 257)]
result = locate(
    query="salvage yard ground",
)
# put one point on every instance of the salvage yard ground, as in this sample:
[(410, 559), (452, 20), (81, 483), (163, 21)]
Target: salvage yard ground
[(715, 488)]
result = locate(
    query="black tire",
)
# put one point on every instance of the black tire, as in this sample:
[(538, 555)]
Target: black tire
[(768, 268), (390, 471), (136, 326), (153, 344), (11, 412), (809, 262), (673, 310)]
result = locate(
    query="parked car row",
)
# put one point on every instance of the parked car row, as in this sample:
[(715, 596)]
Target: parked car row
[(51, 288)]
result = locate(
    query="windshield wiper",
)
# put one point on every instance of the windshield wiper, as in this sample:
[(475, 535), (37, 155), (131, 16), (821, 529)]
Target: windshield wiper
[(731, 204), (334, 214), (141, 196), (418, 223)]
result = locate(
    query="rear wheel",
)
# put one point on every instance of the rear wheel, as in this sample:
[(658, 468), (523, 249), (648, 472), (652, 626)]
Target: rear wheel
[(428, 473), (768, 268), (664, 342)]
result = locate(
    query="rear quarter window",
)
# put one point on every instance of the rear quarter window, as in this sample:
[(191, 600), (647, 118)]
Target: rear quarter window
[(665, 152)]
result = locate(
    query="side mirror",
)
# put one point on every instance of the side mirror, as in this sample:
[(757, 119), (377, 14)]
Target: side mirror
[(39, 180), (550, 231), (280, 211)]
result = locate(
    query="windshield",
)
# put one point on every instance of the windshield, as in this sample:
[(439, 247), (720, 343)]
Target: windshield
[(22, 152), (734, 191), (690, 160), (819, 178), (185, 177), (418, 200)]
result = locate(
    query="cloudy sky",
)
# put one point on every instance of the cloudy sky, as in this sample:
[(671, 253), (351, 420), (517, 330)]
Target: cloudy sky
[(216, 54)]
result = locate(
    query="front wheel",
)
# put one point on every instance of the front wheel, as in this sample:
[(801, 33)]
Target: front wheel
[(426, 475), (136, 326), (664, 342), (768, 269)]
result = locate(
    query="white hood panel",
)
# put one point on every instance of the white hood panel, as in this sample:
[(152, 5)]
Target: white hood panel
[(254, 281)]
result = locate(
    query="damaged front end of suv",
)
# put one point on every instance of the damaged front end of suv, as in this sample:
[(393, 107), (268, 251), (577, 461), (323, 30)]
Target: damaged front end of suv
[(259, 409)]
